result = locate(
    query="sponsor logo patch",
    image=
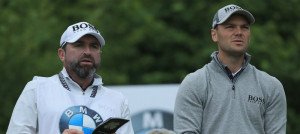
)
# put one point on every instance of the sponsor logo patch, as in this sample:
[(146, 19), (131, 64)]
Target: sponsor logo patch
[(81, 118), (83, 27), (147, 120), (255, 99), (232, 8)]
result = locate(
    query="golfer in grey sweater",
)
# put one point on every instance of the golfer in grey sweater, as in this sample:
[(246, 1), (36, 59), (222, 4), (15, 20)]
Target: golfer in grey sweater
[(229, 95)]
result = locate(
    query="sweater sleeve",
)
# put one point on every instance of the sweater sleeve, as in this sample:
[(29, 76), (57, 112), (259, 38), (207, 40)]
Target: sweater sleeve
[(24, 116), (276, 111), (189, 105)]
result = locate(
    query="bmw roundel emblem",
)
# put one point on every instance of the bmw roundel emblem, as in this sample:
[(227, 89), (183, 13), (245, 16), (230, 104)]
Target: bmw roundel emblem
[(81, 118)]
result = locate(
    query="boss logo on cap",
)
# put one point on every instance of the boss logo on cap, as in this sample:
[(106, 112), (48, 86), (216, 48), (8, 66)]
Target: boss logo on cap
[(232, 8), (84, 26)]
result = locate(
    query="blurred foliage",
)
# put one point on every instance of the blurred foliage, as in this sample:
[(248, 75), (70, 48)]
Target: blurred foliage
[(148, 41)]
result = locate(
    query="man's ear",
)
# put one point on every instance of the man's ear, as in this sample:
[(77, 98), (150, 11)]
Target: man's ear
[(61, 54), (214, 35)]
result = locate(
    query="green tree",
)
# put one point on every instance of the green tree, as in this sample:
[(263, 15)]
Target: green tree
[(148, 41)]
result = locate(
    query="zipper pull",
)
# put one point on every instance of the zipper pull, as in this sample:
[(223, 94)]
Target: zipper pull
[(233, 89)]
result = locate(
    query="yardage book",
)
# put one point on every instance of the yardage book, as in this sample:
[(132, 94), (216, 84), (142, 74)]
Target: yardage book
[(111, 125)]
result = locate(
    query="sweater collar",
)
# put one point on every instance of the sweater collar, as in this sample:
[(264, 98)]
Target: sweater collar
[(214, 56)]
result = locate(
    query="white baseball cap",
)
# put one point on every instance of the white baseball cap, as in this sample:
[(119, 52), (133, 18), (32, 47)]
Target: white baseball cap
[(224, 13), (76, 31)]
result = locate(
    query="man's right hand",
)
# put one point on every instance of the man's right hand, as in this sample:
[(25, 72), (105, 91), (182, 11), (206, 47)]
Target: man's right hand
[(72, 131)]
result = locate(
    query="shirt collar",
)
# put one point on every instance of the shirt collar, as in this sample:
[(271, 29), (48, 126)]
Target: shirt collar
[(97, 79)]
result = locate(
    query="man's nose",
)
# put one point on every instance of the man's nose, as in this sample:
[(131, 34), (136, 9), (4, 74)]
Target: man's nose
[(238, 31), (86, 50)]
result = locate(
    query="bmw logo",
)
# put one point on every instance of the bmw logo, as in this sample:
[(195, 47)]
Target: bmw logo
[(81, 118)]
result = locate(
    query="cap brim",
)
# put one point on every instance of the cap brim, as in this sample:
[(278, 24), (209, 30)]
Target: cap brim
[(99, 37)]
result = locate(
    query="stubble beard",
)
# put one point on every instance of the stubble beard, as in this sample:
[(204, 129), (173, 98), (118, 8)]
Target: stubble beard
[(234, 52), (237, 53), (83, 72)]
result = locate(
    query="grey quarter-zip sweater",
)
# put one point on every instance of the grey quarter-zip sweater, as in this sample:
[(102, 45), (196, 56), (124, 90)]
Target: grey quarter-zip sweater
[(211, 101)]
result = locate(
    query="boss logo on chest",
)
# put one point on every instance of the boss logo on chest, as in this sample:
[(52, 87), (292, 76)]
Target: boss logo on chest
[(256, 99)]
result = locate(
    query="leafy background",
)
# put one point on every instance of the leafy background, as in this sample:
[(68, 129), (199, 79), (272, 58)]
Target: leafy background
[(148, 42)]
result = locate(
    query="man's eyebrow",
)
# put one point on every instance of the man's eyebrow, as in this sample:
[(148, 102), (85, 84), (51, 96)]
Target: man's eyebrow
[(246, 25), (228, 24)]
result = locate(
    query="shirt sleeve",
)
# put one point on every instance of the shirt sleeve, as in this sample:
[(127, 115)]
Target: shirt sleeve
[(127, 128), (24, 116), (276, 111), (188, 109)]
